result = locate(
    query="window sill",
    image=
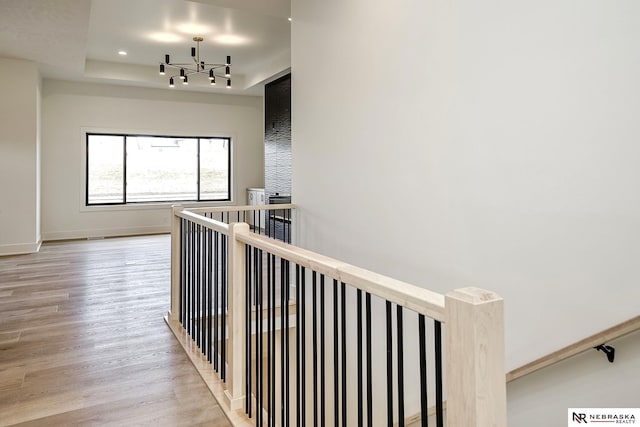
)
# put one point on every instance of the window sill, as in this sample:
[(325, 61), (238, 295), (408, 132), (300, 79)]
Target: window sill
[(152, 206)]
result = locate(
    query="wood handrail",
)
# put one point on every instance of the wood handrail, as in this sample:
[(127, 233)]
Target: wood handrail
[(204, 221), (420, 300), (576, 348), (242, 208)]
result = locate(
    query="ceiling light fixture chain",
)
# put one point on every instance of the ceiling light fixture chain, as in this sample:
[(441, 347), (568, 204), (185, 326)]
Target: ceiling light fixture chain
[(199, 67)]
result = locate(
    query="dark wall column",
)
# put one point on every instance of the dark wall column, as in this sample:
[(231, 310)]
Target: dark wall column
[(277, 137)]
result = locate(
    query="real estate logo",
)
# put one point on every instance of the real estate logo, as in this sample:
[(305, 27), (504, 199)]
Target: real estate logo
[(603, 416), (580, 417)]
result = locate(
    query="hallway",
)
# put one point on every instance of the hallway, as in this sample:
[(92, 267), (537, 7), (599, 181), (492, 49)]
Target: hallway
[(83, 340)]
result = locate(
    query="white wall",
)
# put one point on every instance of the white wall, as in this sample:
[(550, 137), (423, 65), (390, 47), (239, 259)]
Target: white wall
[(19, 145), (69, 108), (492, 144), (586, 381)]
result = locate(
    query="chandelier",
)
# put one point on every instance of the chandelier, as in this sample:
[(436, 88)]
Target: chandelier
[(197, 67)]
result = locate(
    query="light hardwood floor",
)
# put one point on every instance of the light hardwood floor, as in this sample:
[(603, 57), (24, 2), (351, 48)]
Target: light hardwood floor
[(83, 341)]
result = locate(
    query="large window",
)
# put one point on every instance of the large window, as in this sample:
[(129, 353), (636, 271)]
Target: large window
[(125, 169)]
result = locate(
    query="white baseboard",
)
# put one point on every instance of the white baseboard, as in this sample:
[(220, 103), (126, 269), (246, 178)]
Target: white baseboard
[(20, 248), (106, 232)]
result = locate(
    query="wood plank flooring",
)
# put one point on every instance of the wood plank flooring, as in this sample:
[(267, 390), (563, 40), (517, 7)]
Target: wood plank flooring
[(83, 341)]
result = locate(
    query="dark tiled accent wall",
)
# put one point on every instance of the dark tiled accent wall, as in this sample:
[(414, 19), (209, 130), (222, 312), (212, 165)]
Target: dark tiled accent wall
[(277, 137)]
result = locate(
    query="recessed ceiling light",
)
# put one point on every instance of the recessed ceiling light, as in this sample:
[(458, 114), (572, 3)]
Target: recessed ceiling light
[(122, 52), (290, 19)]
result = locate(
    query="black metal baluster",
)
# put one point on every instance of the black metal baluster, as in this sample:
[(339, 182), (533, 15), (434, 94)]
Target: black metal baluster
[(298, 334), (438, 356), (260, 355), (247, 331), (269, 349), (273, 340), (201, 281), (369, 370), (203, 287), (183, 250), (400, 368), (344, 352), (272, 226), (223, 314), (359, 358), (285, 227), (204, 308), (193, 281), (336, 394), (314, 303), (198, 287), (287, 344), (204, 311), (205, 291), (424, 408), (389, 367), (257, 277), (303, 355), (283, 331), (211, 310), (259, 221), (187, 302), (216, 299), (322, 367)]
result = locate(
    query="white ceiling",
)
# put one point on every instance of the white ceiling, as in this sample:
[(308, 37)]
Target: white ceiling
[(80, 39)]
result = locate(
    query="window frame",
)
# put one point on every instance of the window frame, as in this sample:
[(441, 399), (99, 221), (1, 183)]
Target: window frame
[(124, 203)]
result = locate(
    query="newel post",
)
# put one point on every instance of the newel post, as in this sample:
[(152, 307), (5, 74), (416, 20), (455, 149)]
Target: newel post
[(475, 373), (237, 318), (176, 238)]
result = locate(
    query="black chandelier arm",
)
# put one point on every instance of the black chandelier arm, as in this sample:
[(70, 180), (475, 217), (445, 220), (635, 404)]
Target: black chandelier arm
[(180, 65), (218, 76), (215, 65), (176, 64), (201, 67), (189, 70)]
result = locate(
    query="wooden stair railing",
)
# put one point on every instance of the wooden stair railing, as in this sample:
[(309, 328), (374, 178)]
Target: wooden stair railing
[(615, 332), (472, 319)]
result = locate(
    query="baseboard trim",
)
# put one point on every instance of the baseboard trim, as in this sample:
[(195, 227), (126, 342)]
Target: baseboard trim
[(105, 232), (20, 248)]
